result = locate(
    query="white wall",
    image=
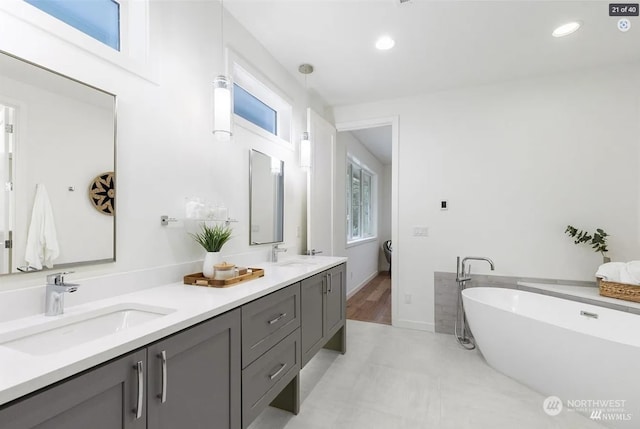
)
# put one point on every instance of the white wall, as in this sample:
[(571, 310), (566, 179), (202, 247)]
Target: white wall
[(518, 162), (363, 256), (166, 151)]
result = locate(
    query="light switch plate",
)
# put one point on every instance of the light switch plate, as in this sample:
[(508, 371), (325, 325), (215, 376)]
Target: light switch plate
[(420, 231)]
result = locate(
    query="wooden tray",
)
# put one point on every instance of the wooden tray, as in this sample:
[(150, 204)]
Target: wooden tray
[(198, 279)]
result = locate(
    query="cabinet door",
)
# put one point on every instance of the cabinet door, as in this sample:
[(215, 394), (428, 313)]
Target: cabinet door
[(312, 303), (102, 398), (199, 372), (336, 296)]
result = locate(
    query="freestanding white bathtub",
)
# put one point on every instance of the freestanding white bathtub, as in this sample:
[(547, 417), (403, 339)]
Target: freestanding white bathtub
[(559, 348)]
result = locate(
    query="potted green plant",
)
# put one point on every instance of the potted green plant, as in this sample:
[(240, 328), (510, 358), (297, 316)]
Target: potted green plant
[(597, 240), (212, 238)]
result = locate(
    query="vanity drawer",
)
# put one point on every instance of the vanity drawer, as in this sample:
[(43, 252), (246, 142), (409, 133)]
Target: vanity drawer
[(266, 321), (265, 378)]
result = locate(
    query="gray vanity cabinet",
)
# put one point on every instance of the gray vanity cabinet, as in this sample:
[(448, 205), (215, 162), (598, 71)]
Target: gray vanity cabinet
[(194, 377), (199, 373), (101, 398), (323, 308), (219, 374)]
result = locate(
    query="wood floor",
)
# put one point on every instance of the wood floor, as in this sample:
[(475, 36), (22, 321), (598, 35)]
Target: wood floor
[(372, 303)]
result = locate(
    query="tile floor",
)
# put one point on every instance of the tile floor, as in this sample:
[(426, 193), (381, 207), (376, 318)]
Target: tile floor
[(394, 378)]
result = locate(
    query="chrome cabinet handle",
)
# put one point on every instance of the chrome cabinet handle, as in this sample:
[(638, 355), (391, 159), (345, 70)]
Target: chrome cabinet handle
[(588, 314), (140, 370), (277, 319), (330, 283), (163, 359), (275, 374)]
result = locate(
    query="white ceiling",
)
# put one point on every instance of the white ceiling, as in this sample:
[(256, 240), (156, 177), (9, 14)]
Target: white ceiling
[(377, 140), (439, 44)]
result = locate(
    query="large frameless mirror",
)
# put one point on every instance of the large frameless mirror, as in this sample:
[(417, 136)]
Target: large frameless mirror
[(57, 170), (266, 197)]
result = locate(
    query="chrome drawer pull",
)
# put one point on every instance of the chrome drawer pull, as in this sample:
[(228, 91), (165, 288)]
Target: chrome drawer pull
[(274, 375), (163, 358), (140, 370), (589, 314), (277, 319)]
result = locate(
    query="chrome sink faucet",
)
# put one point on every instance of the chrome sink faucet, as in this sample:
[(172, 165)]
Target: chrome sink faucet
[(55, 290), (274, 252)]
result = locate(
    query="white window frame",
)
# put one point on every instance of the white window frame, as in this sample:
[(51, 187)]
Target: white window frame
[(134, 34), (251, 80), (373, 203)]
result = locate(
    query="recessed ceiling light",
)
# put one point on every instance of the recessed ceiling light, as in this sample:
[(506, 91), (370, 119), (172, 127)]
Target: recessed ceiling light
[(384, 43), (566, 29)]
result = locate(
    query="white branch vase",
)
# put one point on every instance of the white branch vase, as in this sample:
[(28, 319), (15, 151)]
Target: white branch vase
[(210, 259)]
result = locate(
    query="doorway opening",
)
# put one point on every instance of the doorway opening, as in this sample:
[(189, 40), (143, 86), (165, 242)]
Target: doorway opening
[(364, 188)]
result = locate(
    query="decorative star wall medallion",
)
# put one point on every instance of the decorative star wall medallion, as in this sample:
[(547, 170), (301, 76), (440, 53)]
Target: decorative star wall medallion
[(102, 193)]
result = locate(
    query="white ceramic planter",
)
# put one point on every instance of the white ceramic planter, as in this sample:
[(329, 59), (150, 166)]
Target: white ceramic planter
[(210, 259)]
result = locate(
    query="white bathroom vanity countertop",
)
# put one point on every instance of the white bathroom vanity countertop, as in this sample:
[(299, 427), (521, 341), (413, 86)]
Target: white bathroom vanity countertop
[(22, 373), (584, 292)]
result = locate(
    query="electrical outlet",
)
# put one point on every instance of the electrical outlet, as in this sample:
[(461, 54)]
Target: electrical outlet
[(407, 298)]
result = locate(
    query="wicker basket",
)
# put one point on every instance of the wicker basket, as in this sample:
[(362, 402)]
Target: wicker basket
[(619, 290)]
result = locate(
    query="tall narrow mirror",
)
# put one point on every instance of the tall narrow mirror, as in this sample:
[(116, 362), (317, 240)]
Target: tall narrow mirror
[(266, 193), (57, 169)]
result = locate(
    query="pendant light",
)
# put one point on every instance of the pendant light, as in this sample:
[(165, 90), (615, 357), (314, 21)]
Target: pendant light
[(276, 166), (222, 97), (305, 142)]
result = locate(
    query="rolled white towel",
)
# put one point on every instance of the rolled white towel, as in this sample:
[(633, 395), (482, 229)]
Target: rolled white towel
[(611, 271), (633, 271), (626, 278)]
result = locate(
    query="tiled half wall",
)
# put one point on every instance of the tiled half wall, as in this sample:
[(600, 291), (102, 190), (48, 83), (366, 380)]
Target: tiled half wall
[(446, 290)]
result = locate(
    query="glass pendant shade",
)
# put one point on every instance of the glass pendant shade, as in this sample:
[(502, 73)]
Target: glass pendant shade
[(305, 151), (222, 108), (275, 166)]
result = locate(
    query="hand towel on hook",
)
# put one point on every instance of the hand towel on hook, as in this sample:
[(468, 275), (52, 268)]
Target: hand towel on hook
[(42, 241)]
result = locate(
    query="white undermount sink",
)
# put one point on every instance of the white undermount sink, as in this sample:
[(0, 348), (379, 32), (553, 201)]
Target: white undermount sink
[(64, 332), (296, 263)]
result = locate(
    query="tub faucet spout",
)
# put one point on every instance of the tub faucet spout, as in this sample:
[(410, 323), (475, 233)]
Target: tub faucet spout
[(475, 258)]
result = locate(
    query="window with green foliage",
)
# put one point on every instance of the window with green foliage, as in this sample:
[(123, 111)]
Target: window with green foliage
[(360, 202)]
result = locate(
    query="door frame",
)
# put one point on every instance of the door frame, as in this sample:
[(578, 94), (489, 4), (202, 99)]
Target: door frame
[(394, 121)]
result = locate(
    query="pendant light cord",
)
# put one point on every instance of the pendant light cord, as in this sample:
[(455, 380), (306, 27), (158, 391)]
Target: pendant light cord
[(224, 67)]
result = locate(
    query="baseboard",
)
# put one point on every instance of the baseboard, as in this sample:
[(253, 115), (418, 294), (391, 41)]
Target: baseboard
[(413, 324), (361, 285)]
